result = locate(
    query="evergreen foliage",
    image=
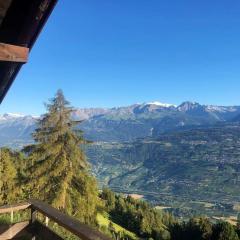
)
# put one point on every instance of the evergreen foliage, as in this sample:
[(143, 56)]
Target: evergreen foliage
[(238, 221), (8, 177), (203, 229), (224, 231), (58, 172), (137, 216), (148, 223)]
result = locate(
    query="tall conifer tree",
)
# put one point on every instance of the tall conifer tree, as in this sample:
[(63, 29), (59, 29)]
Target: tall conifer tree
[(8, 175), (59, 172)]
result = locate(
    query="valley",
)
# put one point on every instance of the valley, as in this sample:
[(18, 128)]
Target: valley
[(186, 157), (181, 168)]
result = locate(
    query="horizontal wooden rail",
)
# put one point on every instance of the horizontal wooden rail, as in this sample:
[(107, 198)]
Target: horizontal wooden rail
[(82, 231), (16, 230), (14, 208), (72, 225)]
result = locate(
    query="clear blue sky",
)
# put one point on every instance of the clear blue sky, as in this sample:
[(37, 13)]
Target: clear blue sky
[(112, 53)]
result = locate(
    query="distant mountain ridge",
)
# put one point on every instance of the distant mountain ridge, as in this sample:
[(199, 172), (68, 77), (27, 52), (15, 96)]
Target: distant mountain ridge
[(150, 119), (124, 123), (188, 106), (16, 129)]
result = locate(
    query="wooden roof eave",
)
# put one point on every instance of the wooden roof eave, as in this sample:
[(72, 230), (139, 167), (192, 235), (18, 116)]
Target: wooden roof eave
[(20, 26)]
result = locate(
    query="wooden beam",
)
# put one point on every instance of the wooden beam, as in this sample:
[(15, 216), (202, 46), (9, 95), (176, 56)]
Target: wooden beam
[(83, 231), (14, 208), (12, 53), (16, 230)]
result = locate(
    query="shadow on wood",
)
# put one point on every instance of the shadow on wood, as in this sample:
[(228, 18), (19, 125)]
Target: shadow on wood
[(34, 227), (14, 231)]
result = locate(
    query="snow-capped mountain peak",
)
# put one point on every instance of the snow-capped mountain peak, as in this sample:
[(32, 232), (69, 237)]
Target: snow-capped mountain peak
[(160, 104), (188, 105), (15, 116), (212, 108), (8, 116)]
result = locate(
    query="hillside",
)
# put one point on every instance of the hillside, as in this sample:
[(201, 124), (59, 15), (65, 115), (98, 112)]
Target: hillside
[(198, 164), (166, 153)]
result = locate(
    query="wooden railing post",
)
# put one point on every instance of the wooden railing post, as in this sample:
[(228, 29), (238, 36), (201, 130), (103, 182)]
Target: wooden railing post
[(35, 228), (33, 219), (33, 215), (46, 221), (11, 216)]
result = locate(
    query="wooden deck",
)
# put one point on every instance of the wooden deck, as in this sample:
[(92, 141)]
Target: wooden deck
[(34, 229)]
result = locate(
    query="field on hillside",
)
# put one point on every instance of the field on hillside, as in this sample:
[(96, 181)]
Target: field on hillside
[(194, 171), (103, 220)]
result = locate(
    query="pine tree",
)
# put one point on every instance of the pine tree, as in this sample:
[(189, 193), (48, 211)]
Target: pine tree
[(109, 197), (224, 231), (205, 228), (238, 221), (8, 174), (59, 172)]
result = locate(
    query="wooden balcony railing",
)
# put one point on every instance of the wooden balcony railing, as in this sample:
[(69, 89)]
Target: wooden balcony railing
[(34, 229)]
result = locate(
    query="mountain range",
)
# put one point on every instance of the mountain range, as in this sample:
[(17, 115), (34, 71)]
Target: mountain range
[(124, 123)]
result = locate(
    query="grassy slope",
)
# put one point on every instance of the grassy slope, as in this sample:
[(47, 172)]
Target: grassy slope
[(104, 221)]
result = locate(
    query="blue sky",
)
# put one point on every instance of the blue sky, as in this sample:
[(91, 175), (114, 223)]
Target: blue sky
[(118, 52)]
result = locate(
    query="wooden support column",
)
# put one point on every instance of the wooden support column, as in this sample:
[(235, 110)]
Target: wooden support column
[(12, 216), (12, 53), (33, 220)]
